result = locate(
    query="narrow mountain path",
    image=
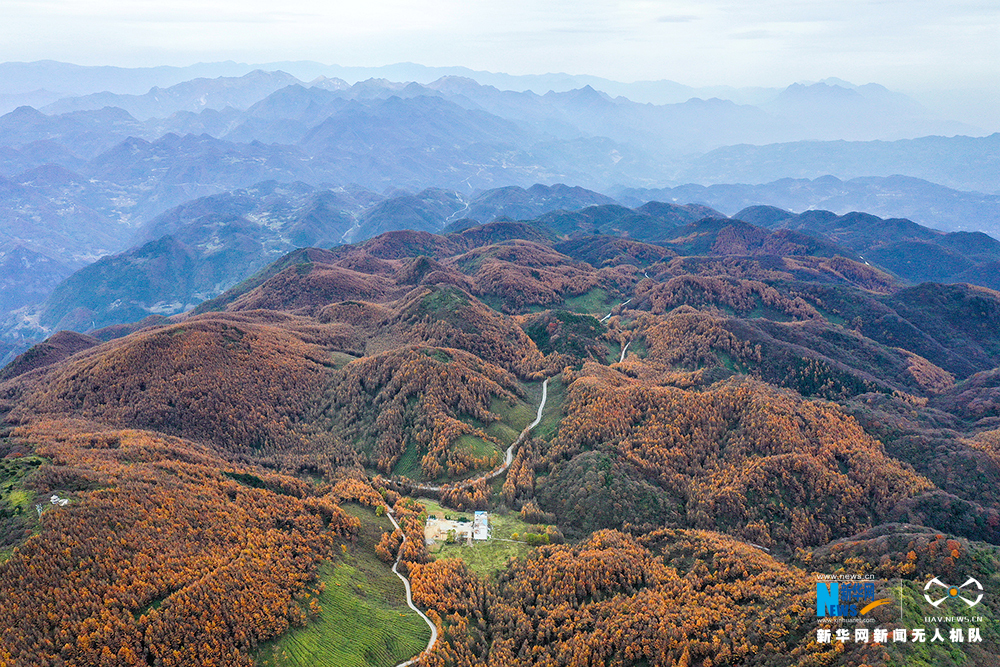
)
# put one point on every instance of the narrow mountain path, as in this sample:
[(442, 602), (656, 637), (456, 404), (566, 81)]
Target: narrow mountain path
[(613, 309), (490, 475), (508, 457), (409, 594), (459, 212), (624, 350)]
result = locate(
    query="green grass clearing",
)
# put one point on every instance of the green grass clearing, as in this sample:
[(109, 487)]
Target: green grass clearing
[(485, 558), (19, 498), (478, 447), (341, 359), (13, 471), (593, 302), (614, 352), (552, 415), (514, 416), (408, 464), (638, 348), (364, 619), (18, 518)]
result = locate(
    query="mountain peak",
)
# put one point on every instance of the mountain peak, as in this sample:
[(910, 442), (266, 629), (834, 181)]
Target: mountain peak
[(817, 92)]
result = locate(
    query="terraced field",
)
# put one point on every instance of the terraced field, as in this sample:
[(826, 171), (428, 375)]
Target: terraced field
[(364, 619)]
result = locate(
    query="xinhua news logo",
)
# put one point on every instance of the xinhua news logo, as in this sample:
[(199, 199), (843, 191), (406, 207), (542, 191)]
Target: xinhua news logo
[(846, 599), (936, 592)]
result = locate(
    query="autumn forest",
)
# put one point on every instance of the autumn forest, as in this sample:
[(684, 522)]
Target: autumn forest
[(728, 418)]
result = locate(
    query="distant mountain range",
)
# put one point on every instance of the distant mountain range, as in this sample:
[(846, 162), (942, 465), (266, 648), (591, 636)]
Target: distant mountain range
[(455, 132), (818, 111), (967, 163), (892, 196), (224, 174), (42, 82), (375, 138), (198, 250), (194, 95), (56, 80)]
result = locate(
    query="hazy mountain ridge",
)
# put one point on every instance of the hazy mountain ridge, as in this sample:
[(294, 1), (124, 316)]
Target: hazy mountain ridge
[(895, 196), (445, 134), (327, 136), (843, 112), (966, 163), (194, 95), (27, 78), (815, 112), (16, 264), (526, 204), (694, 125), (198, 250), (58, 213), (420, 141)]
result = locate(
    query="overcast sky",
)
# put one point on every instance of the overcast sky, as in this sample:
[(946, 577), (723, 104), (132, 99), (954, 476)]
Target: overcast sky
[(909, 44)]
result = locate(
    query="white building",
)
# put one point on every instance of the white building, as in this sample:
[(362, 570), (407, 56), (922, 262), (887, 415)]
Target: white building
[(480, 526)]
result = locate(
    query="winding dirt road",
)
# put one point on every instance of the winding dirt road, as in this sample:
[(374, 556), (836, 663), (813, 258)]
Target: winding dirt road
[(613, 309), (508, 458), (490, 475), (409, 594), (624, 350)]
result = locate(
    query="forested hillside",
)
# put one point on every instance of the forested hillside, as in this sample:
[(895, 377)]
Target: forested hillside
[(731, 410)]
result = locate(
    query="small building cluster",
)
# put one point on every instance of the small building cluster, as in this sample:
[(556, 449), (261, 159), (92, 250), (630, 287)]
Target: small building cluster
[(450, 531)]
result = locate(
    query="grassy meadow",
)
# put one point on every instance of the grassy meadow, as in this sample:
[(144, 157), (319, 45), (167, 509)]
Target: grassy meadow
[(364, 619)]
